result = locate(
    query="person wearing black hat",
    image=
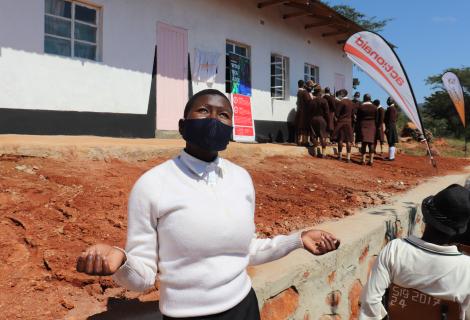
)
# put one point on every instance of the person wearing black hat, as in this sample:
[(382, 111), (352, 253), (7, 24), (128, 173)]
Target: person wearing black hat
[(429, 264), (464, 238)]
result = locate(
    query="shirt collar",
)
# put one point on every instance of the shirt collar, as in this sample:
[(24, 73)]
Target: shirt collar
[(433, 248), (199, 167)]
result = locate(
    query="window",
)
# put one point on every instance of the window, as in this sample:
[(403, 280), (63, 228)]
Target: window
[(237, 66), (279, 76), (311, 72), (71, 29)]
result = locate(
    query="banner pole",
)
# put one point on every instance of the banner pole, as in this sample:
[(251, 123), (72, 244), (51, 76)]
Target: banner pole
[(465, 134), (433, 162)]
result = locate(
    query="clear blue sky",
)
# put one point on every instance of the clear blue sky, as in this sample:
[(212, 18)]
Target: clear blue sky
[(431, 36)]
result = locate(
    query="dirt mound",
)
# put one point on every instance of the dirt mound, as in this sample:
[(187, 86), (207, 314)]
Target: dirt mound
[(50, 210)]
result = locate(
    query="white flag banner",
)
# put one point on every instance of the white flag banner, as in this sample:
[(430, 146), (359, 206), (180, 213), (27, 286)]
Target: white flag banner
[(374, 56), (452, 84)]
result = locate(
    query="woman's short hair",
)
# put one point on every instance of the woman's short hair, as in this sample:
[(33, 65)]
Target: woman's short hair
[(204, 92)]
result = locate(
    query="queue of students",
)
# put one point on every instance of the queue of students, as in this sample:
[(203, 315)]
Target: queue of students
[(321, 116)]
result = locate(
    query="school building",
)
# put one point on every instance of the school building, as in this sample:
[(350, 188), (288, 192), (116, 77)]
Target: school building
[(126, 68)]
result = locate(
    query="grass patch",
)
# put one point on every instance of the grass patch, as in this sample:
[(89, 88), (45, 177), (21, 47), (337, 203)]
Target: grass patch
[(447, 147)]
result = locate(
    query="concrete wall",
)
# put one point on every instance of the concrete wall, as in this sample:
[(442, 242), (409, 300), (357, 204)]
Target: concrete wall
[(120, 82), (301, 286)]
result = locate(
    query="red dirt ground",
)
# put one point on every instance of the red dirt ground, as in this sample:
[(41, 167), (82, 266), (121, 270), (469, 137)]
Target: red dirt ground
[(50, 210)]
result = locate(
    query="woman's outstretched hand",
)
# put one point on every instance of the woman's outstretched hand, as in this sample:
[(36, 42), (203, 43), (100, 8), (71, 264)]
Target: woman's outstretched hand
[(100, 260), (319, 242)]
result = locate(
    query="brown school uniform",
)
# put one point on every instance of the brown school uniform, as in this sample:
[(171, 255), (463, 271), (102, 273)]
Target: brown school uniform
[(355, 124), (319, 111), (344, 112), (366, 118), (390, 120), (379, 135), (302, 119), (331, 112)]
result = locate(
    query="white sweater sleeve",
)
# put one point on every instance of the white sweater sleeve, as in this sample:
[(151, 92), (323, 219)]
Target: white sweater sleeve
[(139, 271), (266, 250), (379, 280)]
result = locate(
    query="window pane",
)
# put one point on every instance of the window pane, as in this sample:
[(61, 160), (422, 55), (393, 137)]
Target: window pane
[(85, 14), (57, 27), (228, 48), (240, 50), (306, 69), (85, 32), (57, 46), (277, 93), (306, 78), (59, 8), (86, 51), (276, 69)]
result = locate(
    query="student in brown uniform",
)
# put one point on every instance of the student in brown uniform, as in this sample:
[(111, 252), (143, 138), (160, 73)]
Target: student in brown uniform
[(379, 132), (390, 120), (367, 117), (299, 116), (331, 111), (357, 104), (343, 130), (319, 109)]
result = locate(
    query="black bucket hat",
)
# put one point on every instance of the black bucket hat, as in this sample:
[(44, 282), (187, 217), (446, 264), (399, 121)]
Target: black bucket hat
[(449, 210)]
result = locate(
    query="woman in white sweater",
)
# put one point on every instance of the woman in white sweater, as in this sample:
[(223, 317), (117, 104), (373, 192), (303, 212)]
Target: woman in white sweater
[(192, 220)]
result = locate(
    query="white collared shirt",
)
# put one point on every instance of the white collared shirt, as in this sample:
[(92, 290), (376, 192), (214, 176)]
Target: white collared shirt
[(440, 271), (193, 221), (209, 172)]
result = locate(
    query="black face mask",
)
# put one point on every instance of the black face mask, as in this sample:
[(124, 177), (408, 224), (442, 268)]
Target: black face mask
[(208, 133)]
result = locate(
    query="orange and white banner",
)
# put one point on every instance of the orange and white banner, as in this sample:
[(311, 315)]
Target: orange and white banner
[(452, 84), (374, 56)]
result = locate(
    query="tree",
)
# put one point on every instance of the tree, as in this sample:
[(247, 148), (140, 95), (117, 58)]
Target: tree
[(368, 23), (439, 114)]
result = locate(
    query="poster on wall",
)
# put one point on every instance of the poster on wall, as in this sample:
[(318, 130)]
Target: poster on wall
[(240, 76), (243, 124)]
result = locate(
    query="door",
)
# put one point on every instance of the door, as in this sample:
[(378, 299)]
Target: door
[(172, 71), (340, 82)]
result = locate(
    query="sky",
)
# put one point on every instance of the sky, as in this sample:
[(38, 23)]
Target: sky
[(430, 35)]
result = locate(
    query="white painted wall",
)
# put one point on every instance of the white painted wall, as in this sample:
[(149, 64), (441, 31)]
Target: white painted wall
[(121, 81)]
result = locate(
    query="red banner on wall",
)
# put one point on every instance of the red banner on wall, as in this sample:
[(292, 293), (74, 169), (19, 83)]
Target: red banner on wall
[(244, 129)]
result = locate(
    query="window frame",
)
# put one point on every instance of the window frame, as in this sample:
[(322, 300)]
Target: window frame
[(284, 76), (73, 20), (308, 76), (234, 44)]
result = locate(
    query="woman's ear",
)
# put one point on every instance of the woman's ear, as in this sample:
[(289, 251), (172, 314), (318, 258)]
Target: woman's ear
[(181, 126)]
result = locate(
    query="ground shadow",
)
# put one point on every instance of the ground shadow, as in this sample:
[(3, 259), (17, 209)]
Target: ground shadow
[(122, 309)]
